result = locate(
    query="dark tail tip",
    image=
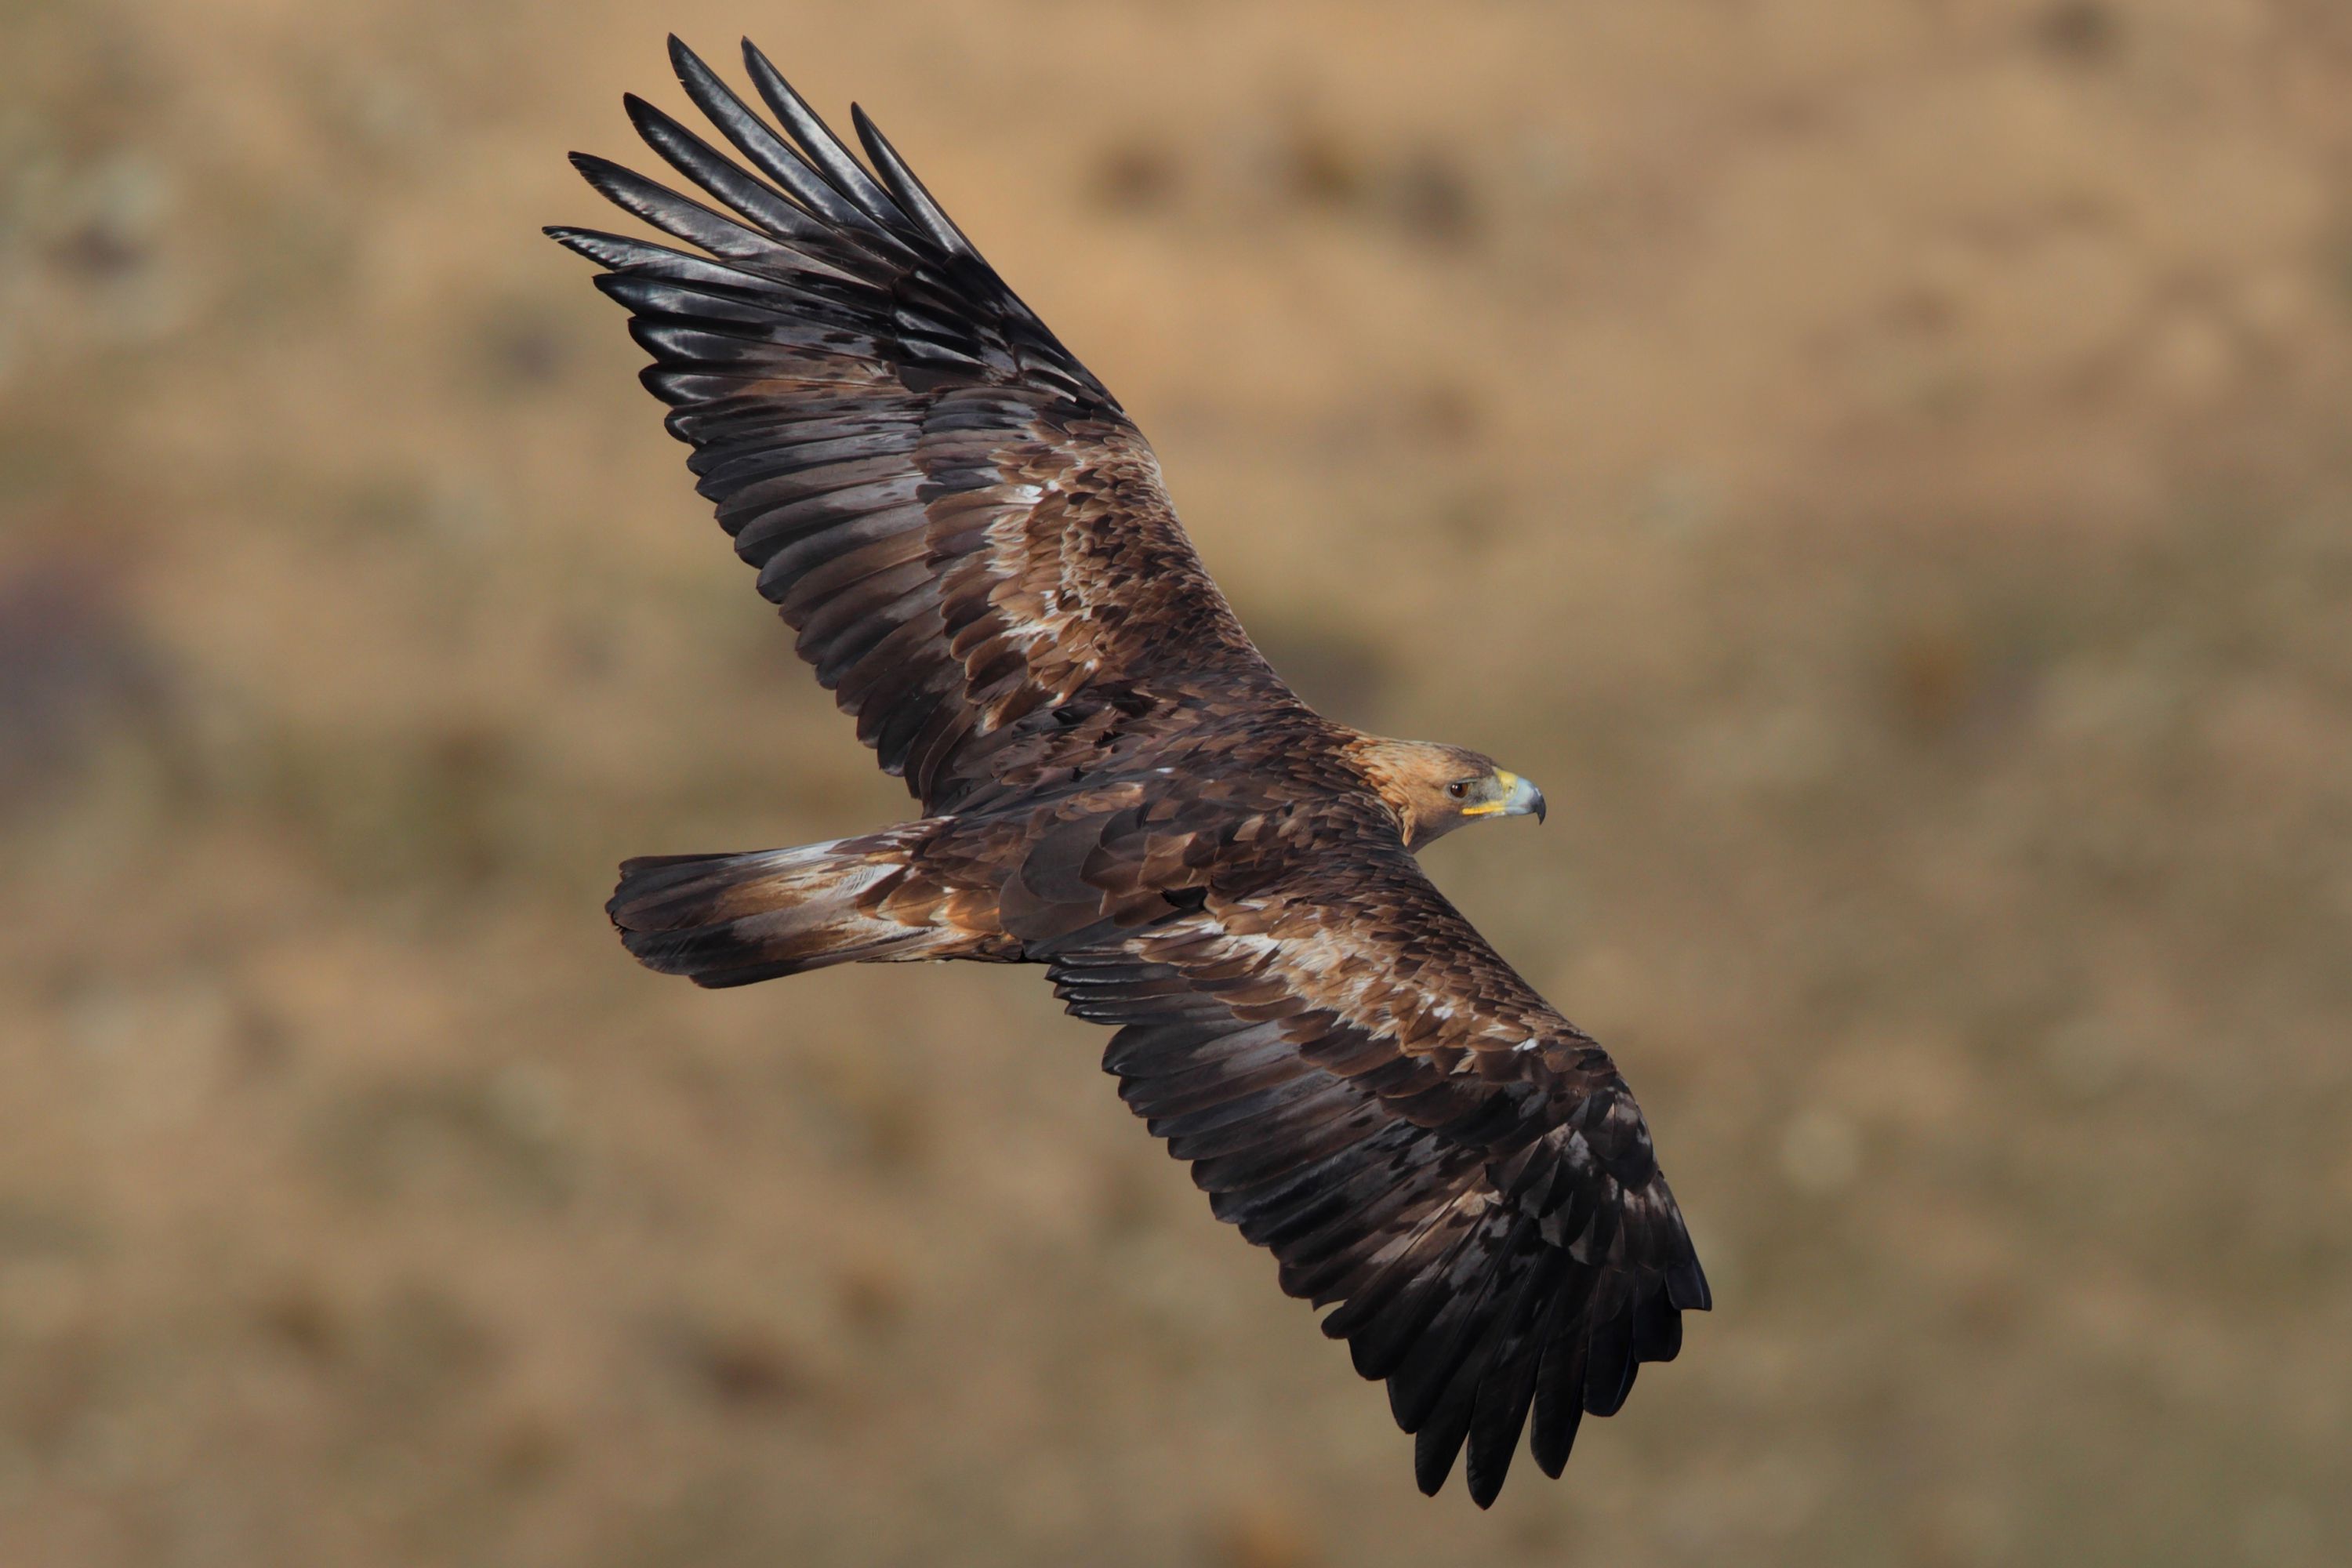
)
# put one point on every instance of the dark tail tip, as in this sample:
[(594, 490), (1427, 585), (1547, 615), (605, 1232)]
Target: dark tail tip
[(673, 916)]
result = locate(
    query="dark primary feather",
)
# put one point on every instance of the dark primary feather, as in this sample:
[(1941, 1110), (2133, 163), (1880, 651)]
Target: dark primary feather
[(816, 140), (973, 544), (948, 507), (770, 153), (1484, 1212)]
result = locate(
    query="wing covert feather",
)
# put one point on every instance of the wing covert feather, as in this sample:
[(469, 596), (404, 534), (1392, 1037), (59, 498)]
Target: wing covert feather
[(1364, 1087), (957, 518)]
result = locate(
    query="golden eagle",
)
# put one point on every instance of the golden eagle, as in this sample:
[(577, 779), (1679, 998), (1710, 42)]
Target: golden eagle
[(970, 540)]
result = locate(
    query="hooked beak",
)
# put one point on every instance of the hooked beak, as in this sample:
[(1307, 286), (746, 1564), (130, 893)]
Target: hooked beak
[(1518, 797)]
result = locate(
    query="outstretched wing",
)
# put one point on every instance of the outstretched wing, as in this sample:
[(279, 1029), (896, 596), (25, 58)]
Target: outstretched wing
[(1364, 1087), (956, 517)]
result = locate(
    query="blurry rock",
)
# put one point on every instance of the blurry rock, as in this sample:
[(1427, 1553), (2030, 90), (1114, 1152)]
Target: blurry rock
[(1934, 673), (302, 1319), (1433, 198), (2079, 32), (1947, 680), (873, 1294), (1968, 1525), (101, 250), (1320, 168), (1129, 1195), (1427, 193), (1137, 178), (113, 218), (526, 353), (452, 814), (72, 665), (263, 1046), (1446, 412), (741, 1367), (522, 342), (526, 1452), (745, 1370), (1471, 510), (50, 1394)]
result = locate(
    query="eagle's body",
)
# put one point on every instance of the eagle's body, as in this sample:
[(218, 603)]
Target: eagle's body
[(973, 545)]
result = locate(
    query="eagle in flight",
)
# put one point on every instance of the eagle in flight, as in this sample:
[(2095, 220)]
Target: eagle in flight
[(971, 542)]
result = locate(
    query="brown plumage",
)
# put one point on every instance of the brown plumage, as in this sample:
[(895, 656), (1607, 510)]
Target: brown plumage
[(970, 540)]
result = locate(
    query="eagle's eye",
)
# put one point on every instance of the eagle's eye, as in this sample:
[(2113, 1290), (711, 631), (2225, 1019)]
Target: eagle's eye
[(1459, 789)]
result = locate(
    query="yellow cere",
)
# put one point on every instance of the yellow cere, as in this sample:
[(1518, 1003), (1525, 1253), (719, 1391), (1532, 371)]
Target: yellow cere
[(1509, 781)]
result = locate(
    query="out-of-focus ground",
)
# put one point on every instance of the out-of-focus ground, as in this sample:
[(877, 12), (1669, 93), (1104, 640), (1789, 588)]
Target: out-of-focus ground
[(1884, 468)]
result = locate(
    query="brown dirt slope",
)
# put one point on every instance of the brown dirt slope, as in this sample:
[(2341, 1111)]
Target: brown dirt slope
[(1881, 467)]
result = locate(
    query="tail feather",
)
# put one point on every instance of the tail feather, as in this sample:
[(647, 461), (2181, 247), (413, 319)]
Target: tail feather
[(732, 919)]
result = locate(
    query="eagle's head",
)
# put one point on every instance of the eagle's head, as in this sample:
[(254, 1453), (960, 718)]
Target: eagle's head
[(1435, 789)]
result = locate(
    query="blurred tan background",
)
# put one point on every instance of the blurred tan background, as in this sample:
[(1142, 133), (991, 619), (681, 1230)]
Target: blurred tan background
[(1883, 466)]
